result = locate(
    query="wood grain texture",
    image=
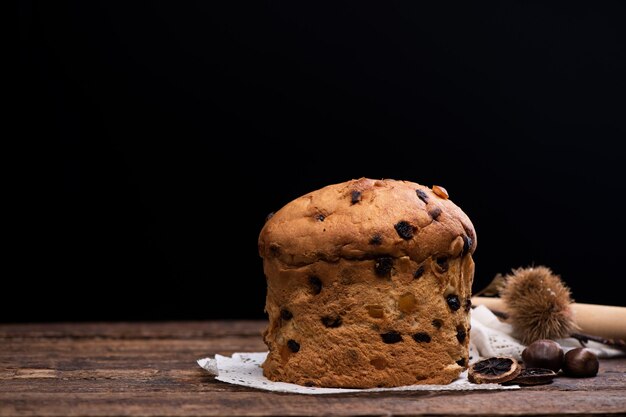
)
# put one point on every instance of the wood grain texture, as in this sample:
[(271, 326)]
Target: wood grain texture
[(149, 369)]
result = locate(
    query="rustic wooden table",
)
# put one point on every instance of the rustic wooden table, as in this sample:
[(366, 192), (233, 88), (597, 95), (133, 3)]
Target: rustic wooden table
[(149, 369)]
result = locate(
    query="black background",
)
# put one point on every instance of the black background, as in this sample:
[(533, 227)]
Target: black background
[(170, 130)]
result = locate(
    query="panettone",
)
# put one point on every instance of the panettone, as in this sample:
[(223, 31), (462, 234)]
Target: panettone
[(368, 285)]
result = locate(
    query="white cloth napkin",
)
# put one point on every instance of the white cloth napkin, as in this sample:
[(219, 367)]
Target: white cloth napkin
[(492, 337)]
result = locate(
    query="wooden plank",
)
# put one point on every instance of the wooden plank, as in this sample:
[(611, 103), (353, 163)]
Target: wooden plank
[(149, 369), (135, 330), (228, 403), (86, 360)]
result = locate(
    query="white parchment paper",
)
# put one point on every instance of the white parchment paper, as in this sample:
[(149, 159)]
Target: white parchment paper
[(245, 369)]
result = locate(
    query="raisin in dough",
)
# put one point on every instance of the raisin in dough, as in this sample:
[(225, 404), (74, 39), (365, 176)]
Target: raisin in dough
[(368, 285)]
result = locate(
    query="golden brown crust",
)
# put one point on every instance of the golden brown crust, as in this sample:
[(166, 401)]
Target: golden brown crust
[(374, 294), (331, 223)]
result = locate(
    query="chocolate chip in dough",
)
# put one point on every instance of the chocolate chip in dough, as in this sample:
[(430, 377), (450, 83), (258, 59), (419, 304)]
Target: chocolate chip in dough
[(293, 345), (391, 337), (421, 337), (376, 240), (331, 321), (404, 229), (316, 284), (467, 244), (383, 266), (437, 323), (435, 213), (453, 302), (419, 272), (460, 334), (441, 263), (422, 196), (285, 314)]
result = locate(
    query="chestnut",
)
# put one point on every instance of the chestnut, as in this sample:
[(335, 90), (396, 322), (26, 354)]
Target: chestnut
[(543, 353), (580, 363)]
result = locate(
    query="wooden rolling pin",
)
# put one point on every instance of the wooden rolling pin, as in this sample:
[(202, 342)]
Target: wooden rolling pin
[(593, 319)]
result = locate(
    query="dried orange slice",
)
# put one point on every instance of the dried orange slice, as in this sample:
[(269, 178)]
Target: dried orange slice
[(533, 376), (493, 370)]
